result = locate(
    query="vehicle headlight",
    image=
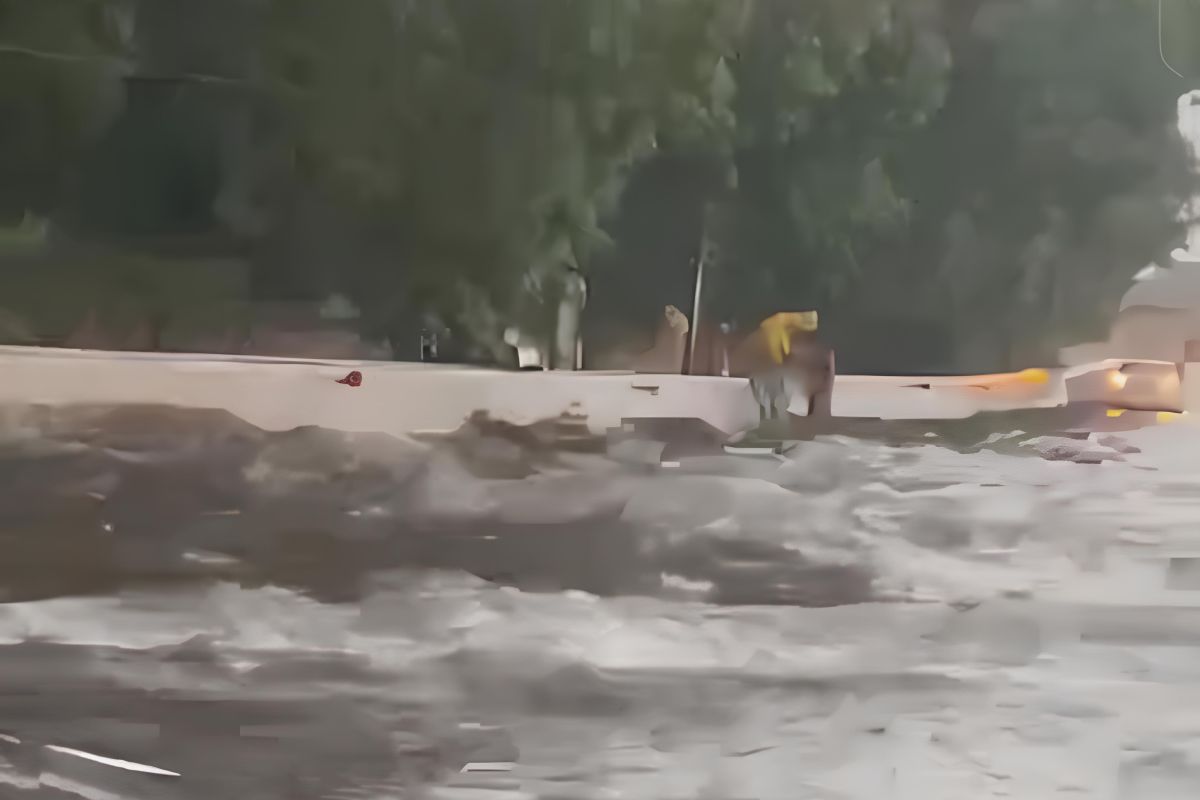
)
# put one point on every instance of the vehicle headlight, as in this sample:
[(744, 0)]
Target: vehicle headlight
[(1117, 380)]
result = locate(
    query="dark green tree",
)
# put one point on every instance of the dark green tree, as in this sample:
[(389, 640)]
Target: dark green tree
[(1050, 176), (956, 188), (60, 68), (492, 137)]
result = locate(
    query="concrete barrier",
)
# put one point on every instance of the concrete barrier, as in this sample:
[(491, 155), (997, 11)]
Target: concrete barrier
[(392, 397)]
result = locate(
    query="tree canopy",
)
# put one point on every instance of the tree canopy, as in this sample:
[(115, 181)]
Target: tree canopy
[(990, 172)]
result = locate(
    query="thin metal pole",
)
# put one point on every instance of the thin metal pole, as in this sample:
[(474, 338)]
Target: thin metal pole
[(699, 288)]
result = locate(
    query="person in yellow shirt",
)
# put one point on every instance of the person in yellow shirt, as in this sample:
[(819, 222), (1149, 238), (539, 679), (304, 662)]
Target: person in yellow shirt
[(782, 358)]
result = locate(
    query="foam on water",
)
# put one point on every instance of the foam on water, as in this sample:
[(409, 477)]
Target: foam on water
[(858, 620)]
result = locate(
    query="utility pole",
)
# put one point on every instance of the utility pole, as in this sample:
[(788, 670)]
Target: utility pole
[(698, 291)]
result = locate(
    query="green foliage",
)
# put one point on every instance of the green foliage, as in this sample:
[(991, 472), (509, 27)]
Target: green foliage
[(122, 291), (1070, 183), (830, 92), (952, 163), (58, 87), (495, 135), (995, 167)]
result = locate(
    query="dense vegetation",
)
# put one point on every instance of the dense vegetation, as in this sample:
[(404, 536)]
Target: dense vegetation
[(955, 183)]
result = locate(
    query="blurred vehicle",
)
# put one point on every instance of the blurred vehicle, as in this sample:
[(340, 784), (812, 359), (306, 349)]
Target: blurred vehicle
[(1121, 385)]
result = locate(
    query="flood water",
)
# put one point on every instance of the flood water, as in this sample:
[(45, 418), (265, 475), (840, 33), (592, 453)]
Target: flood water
[(318, 615)]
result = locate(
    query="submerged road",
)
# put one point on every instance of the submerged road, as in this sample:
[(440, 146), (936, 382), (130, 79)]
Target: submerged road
[(215, 611)]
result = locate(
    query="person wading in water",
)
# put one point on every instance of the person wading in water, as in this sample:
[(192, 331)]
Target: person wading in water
[(784, 359)]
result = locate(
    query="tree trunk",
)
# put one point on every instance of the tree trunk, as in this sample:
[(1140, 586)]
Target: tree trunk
[(566, 351)]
